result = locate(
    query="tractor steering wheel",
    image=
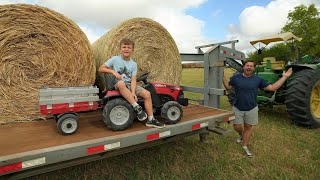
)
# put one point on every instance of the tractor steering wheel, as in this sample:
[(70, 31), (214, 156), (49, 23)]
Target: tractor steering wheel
[(143, 77)]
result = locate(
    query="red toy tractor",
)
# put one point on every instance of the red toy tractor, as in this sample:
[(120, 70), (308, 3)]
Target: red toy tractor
[(66, 104), (167, 99)]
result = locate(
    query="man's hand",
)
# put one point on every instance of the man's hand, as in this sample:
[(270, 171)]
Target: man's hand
[(288, 73), (278, 84)]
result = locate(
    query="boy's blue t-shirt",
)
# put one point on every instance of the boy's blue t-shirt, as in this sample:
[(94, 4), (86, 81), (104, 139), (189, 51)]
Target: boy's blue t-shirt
[(246, 90), (126, 68)]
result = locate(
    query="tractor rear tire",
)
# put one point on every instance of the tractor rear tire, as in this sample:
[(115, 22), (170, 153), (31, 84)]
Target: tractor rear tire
[(118, 114), (171, 112), (303, 98)]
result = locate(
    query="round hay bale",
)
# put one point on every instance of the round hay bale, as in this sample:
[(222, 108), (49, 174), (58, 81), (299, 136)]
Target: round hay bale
[(155, 50), (38, 47)]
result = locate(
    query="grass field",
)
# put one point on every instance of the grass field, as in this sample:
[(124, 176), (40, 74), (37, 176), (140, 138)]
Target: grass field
[(281, 151)]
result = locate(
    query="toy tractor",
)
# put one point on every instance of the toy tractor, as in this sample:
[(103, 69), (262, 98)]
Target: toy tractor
[(67, 103), (167, 99), (301, 92)]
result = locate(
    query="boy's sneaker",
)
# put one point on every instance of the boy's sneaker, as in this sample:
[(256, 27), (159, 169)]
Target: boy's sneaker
[(141, 115), (239, 139), (246, 149), (154, 123)]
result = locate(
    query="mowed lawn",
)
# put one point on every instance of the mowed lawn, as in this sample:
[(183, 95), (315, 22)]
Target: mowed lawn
[(281, 151)]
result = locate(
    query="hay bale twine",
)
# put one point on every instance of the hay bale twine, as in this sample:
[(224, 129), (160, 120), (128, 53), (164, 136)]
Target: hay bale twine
[(155, 50), (38, 47)]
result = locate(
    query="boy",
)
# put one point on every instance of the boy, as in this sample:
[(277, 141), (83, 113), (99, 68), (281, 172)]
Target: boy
[(125, 71)]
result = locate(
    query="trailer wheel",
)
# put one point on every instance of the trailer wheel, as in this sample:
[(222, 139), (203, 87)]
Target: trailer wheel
[(172, 112), (118, 114), (303, 98), (68, 124)]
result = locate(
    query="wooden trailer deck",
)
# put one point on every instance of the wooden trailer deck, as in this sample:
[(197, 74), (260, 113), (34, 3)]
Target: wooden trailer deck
[(22, 137), (27, 149)]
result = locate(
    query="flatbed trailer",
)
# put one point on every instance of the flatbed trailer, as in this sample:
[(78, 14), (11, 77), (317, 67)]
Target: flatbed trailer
[(28, 149)]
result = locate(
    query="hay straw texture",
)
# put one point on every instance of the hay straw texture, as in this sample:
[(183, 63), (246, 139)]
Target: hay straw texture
[(155, 50), (38, 47)]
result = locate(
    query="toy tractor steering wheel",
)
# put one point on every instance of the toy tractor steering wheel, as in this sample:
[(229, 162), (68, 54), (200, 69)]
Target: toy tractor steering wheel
[(143, 77)]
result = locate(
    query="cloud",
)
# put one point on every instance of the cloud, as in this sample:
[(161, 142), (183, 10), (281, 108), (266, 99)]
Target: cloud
[(216, 13), (96, 17), (259, 21), (13, 1), (103, 15), (91, 33)]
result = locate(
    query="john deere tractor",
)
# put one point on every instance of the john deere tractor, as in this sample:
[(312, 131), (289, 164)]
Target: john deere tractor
[(301, 92)]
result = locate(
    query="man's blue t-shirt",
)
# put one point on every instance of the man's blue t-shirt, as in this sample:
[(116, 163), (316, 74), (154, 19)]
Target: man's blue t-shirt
[(246, 90), (126, 68)]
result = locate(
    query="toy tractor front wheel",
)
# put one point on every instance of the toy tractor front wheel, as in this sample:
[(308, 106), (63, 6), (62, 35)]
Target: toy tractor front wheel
[(68, 124), (118, 114), (303, 98), (171, 112)]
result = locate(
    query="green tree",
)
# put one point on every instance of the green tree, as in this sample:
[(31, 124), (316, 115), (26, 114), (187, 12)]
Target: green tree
[(304, 22)]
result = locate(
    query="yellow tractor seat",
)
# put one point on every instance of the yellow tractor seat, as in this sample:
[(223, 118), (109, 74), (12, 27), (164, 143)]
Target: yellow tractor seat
[(275, 65)]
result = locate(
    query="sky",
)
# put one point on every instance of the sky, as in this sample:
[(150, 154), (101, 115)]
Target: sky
[(190, 22)]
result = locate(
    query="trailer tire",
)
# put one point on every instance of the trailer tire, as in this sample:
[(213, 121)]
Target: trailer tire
[(302, 98), (171, 112), (118, 114), (68, 124)]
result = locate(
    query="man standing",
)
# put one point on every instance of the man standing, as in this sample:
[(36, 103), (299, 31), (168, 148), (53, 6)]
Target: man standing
[(245, 107)]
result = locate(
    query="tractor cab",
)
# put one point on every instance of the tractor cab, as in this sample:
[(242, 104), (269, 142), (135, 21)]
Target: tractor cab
[(269, 64)]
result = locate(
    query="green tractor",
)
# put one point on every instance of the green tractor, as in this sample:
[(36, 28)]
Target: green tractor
[(301, 92)]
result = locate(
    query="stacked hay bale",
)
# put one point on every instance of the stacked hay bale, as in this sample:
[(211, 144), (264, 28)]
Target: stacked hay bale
[(38, 47), (155, 50)]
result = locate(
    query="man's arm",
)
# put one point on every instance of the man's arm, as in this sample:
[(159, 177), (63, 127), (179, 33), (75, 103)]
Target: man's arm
[(104, 69), (226, 83), (279, 83)]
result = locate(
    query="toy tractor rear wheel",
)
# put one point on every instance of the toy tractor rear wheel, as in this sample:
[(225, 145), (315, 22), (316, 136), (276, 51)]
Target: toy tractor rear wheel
[(118, 114), (68, 124), (303, 98), (172, 112)]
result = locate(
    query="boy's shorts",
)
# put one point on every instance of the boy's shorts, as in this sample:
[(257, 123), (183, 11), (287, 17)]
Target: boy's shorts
[(247, 117), (138, 88)]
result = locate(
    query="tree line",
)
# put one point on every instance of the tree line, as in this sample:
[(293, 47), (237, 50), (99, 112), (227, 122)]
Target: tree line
[(303, 22)]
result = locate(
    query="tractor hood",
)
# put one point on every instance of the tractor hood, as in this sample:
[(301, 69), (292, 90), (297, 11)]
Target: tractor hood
[(275, 38)]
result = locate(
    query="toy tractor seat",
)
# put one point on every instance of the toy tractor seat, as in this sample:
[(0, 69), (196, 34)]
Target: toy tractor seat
[(274, 64), (110, 82)]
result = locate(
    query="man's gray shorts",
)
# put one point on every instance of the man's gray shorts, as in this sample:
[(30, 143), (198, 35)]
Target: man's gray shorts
[(247, 117), (138, 88)]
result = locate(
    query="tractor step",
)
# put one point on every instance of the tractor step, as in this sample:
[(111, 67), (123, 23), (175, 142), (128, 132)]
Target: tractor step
[(220, 130)]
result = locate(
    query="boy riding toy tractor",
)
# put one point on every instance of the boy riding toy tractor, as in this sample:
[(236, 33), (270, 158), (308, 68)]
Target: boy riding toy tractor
[(167, 99)]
